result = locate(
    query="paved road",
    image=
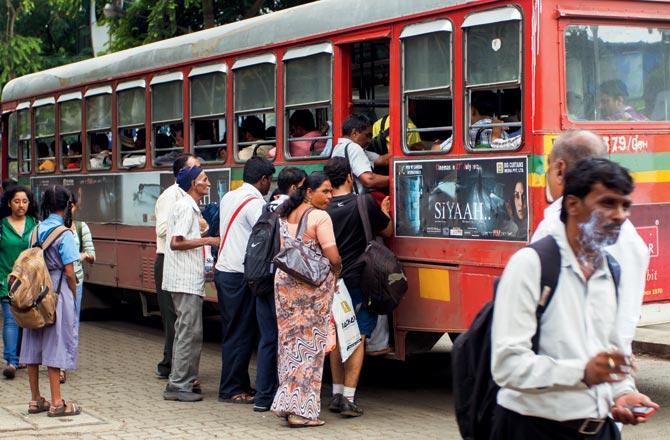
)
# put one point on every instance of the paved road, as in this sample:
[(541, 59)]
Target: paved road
[(122, 399)]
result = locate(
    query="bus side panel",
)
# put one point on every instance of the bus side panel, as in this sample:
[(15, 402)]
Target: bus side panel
[(104, 270), (129, 271), (148, 253)]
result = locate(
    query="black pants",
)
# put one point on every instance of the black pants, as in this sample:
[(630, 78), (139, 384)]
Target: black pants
[(509, 425), (168, 316), (238, 332), (266, 358)]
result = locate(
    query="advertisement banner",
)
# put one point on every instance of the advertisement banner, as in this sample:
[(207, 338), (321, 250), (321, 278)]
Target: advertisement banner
[(475, 199), (649, 220)]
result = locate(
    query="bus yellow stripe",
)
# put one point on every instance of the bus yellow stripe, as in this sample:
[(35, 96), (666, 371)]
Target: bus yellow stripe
[(655, 176), (434, 284)]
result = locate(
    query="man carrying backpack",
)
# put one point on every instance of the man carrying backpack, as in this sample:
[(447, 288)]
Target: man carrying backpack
[(351, 243), (565, 375)]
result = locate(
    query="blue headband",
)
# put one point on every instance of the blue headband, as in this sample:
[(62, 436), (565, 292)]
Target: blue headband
[(186, 177)]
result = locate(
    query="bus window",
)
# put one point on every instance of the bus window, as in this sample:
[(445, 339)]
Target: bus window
[(427, 99), (308, 79), (25, 134), (617, 73), (130, 117), (493, 80), (167, 127), (99, 128), (370, 78), (208, 112), (45, 127), (12, 151), (254, 81), (69, 108)]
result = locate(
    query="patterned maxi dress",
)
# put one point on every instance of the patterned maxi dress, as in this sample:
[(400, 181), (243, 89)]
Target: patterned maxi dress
[(302, 320)]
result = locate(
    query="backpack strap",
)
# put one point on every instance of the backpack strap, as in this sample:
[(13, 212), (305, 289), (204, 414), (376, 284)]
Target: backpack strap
[(615, 270), (78, 228), (362, 203), (232, 219), (33, 237), (346, 156), (550, 268), (53, 236), (382, 128)]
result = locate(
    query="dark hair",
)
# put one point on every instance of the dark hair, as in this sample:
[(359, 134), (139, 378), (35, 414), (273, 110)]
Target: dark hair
[(289, 176), (614, 88), (337, 169), (313, 181), (302, 118), (8, 183), (256, 168), (356, 122), (75, 147), (180, 163), (8, 195), (254, 126), (73, 196), (580, 179), (57, 198), (484, 102), (42, 149)]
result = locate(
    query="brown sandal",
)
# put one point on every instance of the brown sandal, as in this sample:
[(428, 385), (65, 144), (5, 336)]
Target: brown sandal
[(38, 406), (242, 398), (295, 421), (62, 410)]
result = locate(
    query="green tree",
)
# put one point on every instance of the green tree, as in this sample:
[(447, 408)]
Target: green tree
[(146, 21)]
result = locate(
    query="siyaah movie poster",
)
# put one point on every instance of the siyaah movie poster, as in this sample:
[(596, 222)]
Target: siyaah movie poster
[(476, 199)]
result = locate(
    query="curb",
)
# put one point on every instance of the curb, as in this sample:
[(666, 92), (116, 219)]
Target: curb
[(652, 348)]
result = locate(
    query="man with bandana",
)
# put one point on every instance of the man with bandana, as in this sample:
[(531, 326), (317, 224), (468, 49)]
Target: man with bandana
[(578, 382), (184, 280)]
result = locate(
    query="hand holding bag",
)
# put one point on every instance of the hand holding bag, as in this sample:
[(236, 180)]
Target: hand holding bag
[(300, 260)]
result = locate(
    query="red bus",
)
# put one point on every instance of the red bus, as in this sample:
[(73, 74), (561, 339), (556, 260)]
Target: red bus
[(463, 199)]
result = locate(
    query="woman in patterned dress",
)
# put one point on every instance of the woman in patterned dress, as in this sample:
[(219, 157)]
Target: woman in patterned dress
[(302, 310)]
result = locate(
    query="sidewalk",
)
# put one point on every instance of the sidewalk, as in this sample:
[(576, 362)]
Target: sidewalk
[(653, 340)]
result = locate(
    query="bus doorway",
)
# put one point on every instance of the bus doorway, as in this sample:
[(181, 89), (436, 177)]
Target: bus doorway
[(370, 78)]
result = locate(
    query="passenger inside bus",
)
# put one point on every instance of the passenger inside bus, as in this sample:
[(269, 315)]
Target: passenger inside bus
[(169, 143), (73, 159), (612, 102), (45, 158), (302, 125), (101, 156), (252, 131)]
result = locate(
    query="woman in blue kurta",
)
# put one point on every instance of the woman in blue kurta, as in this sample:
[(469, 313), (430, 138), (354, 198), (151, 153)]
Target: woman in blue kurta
[(18, 212), (55, 346)]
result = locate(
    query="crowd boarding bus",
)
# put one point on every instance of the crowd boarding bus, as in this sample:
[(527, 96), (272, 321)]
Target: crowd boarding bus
[(466, 191)]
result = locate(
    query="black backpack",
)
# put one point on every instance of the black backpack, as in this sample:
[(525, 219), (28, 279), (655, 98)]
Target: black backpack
[(475, 391), (263, 245), (378, 143), (383, 281)]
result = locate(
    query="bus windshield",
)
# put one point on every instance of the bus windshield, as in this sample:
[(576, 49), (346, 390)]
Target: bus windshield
[(617, 73)]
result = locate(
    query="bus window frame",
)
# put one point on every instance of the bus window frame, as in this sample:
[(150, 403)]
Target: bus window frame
[(24, 107), (38, 105), (247, 62), (68, 98), (12, 117), (199, 71), (502, 85), (121, 87), (160, 80), (405, 95), (286, 154), (95, 92), (565, 121)]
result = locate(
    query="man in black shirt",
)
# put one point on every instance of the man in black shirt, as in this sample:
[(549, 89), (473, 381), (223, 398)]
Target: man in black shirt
[(351, 243)]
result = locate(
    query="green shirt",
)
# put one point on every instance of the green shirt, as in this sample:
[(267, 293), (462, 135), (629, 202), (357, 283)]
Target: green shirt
[(11, 245)]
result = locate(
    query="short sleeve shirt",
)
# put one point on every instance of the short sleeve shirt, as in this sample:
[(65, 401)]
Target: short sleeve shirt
[(349, 232), (358, 160), (11, 245), (184, 271), (68, 250)]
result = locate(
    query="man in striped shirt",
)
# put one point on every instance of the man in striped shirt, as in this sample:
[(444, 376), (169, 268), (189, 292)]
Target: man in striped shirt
[(184, 280)]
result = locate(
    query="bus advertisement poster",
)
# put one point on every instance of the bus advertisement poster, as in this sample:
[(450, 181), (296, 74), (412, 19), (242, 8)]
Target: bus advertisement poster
[(477, 199), (218, 178), (650, 222)]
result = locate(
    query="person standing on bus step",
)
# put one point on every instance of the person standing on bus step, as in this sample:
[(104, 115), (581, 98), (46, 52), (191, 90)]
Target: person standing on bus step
[(164, 206), (184, 281), (579, 381), (303, 311), (629, 250), (84, 240), (240, 209), (55, 346), (19, 216), (356, 134), (351, 244)]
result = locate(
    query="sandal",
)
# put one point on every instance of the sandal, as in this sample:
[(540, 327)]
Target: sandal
[(63, 376), (38, 406), (242, 398), (295, 421), (62, 410), (197, 387)]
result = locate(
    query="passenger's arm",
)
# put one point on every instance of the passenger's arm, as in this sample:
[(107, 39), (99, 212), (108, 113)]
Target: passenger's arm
[(371, 180), (382, 161), (70, 278), (386, 209), (161, 218), (325, 236), (87, 243), (179, 243)]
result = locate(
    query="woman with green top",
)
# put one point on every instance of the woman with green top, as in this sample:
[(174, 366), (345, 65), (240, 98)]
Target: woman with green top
[(18, 212)]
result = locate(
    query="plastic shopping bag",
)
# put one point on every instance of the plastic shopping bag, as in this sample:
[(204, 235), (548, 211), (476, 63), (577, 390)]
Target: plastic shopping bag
[(348, 334)]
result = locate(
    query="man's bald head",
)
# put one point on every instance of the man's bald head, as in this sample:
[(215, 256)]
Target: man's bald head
[(571, 147)]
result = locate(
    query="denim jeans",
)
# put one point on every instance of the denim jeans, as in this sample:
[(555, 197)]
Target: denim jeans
[(10, 335)]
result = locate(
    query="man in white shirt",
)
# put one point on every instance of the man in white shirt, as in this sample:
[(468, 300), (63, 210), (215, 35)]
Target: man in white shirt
[(357, 133), (184, 280), (240, 209), (162, 211), (579, 375), (629, 250)]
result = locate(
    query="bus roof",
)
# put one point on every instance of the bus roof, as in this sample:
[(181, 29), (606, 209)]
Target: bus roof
[(288, 25)]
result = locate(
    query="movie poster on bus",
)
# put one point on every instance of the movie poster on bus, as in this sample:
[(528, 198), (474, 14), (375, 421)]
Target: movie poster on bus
[(140, 192), (476, 199), (218, 178)]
